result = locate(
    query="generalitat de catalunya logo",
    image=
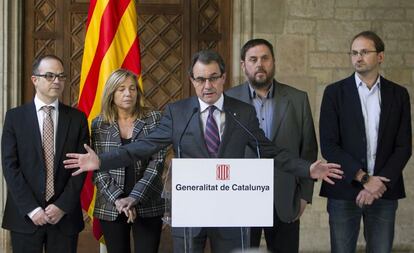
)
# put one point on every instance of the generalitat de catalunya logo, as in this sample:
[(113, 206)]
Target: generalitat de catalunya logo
[(223, 172)]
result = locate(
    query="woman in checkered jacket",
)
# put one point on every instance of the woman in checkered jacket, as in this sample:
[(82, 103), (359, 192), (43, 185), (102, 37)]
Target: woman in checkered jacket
[(124, 119)]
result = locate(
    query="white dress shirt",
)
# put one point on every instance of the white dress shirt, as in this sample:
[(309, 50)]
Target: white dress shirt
[(371, 110), (40, 118)]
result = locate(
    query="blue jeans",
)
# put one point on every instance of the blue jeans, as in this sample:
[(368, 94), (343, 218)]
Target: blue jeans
[(344, 221)]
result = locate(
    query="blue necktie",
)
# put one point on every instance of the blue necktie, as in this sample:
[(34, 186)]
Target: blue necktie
[(211, 134)]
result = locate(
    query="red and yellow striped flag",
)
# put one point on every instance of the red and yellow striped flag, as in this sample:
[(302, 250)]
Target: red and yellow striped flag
[(111, 42)]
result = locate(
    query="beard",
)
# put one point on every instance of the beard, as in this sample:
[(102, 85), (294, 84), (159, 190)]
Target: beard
[(260, 83)]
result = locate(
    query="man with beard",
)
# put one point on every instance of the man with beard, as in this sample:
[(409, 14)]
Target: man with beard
[(365, 125), (202, 127), (285, 117)]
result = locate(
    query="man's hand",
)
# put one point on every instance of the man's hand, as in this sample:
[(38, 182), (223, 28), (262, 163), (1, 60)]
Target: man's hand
[(40, 218), (325, 171), (85, 162), (54, 213), (364, 198), (376, 186)]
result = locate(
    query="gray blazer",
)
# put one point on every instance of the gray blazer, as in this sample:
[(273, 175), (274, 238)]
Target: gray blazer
[(148, 172), (294, 131)]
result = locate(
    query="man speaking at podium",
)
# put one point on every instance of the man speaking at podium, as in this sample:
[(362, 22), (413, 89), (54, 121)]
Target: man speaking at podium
[(210, 125)]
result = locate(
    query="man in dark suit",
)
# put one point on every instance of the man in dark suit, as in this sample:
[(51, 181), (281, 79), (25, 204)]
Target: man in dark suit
[(43, 206), (284, 115), (365, 125), (187, 125)]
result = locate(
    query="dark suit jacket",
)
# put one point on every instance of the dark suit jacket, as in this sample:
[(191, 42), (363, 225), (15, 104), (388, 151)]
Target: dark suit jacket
[(233, 144), (293, 130), (343, 139), (24, 168)]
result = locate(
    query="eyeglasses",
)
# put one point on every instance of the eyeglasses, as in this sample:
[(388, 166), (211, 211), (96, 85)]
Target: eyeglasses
[(50, 77), (362, 53), (202, 80)]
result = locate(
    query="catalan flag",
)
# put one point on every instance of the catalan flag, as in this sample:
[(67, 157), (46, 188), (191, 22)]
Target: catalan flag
[(111, 42)]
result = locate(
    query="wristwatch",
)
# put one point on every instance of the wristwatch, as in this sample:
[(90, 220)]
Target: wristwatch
[(364, 179)]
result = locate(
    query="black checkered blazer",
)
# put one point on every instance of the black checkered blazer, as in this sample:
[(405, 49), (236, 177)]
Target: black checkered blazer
[(110, 184)]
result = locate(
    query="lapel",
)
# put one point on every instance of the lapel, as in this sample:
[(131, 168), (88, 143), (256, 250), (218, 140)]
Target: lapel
[(281, 106), (229, 127), (351, 97), (62, 131), (114, 134), (386, 104), (138, 126), (33, 123), (244, 93), (195, 125)]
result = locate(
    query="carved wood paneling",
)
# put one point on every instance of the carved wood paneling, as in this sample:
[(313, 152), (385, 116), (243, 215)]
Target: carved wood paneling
[(170, 32), (40, 37), (162, 58), (77, 37), (213, 29), (209, 14), (45, 16)]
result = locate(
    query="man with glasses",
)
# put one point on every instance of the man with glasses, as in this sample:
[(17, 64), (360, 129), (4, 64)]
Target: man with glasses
[(365, 125), (205, 126), (284, 115), (43, 209)]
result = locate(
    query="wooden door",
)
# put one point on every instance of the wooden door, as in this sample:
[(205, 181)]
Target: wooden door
[(170, 31)]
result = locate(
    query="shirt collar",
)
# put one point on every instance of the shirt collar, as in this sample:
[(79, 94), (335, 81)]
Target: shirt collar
[(270, 93), (39, 103), (218, 104), (359, 82)]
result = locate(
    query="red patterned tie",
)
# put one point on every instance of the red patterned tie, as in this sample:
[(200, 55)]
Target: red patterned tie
[(48, 150), (211, 134)]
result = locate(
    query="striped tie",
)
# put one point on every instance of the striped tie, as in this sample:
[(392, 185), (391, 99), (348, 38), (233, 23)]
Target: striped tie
[(48, 150), (211, 134)]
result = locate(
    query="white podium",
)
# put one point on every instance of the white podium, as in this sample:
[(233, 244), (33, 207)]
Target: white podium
[(219, 193)]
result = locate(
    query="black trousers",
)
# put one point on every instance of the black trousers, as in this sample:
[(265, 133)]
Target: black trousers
[(281, 238), (220, 241), (47, 237), (146, 233)]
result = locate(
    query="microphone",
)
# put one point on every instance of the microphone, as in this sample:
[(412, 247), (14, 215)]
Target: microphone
[(195, 109), (247, 131)]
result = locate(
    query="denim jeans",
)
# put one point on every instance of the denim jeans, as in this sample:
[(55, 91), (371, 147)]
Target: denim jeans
[(378, 218)]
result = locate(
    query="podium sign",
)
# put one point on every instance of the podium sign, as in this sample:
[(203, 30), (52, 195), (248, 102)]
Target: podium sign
[(222, 192)]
